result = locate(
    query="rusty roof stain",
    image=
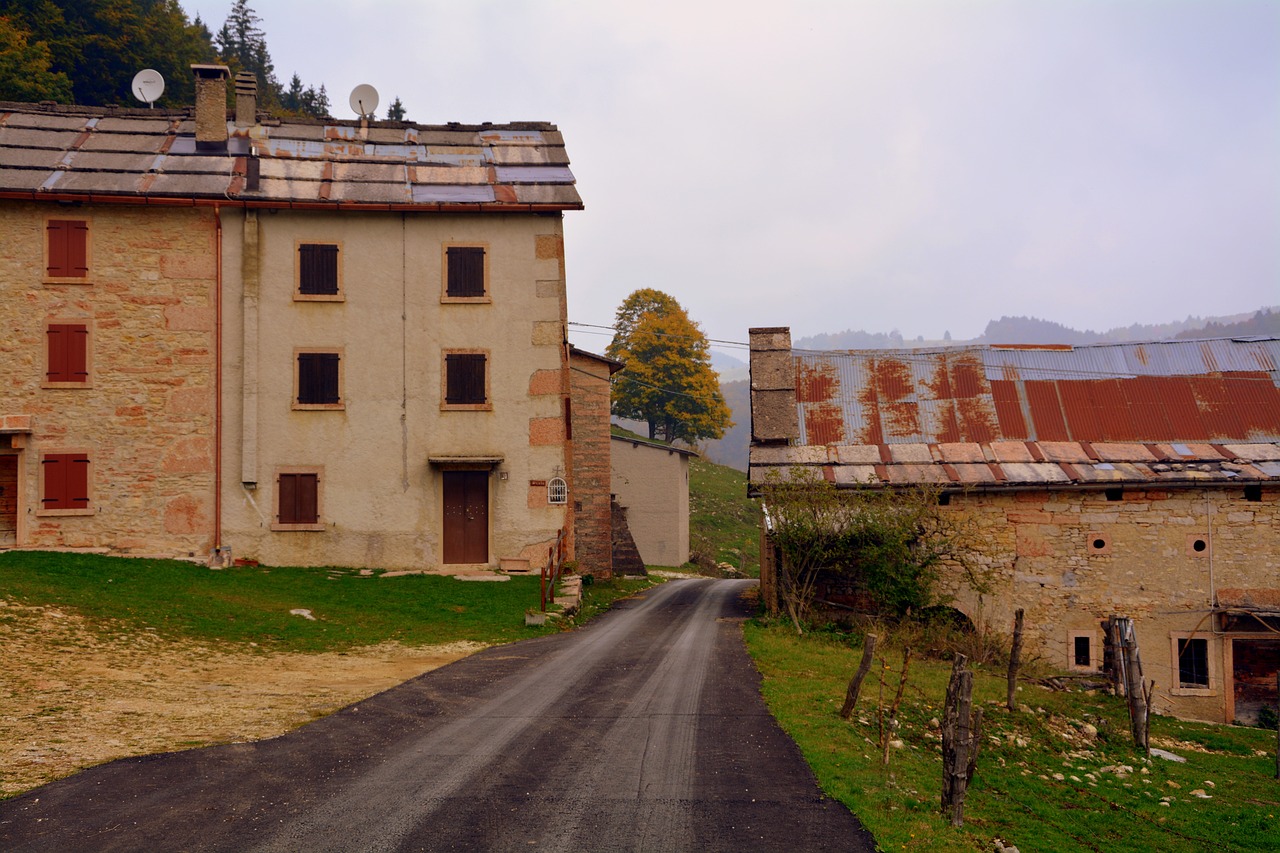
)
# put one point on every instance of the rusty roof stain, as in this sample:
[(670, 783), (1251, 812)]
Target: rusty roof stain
[(1162, 413), (68, 153)]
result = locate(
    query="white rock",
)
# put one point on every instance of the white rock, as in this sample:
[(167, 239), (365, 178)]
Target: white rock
[(303, 612), (1199, 792)]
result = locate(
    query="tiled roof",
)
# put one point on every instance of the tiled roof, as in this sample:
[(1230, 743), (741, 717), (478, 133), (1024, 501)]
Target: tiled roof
[(1172, 412), (56, 152)]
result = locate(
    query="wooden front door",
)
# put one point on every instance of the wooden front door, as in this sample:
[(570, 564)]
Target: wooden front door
[(8, 500), (466, 516)]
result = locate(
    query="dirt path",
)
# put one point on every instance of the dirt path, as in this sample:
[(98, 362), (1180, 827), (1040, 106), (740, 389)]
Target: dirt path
[(71, 697)]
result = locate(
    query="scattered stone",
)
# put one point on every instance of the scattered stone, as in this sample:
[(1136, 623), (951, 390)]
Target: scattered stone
[(896, 743), (1059, 777), (1172, 784), (1210, 784), (1200, 792), (1076, 779), (1089, 730), (303, 612), (1001, 846), (1167, 756)]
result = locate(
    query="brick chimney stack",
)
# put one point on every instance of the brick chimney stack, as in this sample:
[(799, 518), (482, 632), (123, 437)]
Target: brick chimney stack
[(246, 99), (211, 106)]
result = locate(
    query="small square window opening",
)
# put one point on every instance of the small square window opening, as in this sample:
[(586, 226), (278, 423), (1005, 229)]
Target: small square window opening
[(319, 379), (465, 277), (1193, 662), (465, 378), (318, 269)]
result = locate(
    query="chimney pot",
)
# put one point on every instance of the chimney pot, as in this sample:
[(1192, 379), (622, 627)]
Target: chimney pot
[(246, 99), (211, 106)]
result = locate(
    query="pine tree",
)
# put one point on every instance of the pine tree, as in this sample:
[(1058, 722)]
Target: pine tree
[(667, 381), (395, 112)]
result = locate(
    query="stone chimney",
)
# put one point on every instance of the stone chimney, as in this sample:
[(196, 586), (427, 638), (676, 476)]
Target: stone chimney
[(246, 99), (773, 386), (211, 106)]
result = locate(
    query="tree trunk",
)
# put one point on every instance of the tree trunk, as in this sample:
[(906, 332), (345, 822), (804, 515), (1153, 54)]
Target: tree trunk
[(855, 683), (1015, 661)]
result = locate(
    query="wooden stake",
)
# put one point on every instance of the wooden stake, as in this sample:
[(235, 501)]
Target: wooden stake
[(1015, 660), (855, 683), (885, 737), (960, 728)]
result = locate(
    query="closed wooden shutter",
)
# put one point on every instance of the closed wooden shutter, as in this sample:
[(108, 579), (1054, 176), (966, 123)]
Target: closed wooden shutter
[(466, 271), (318, 269), (68, 248), (66, 481), (465, 374), (299, 498), (318, 378), (68, 352)]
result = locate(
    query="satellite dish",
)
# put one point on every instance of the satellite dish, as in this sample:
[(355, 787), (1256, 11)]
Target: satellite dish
[(364, 100), (148, 86)]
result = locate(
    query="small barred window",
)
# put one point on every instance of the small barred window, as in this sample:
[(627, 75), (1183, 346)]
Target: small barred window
[(557, 491)]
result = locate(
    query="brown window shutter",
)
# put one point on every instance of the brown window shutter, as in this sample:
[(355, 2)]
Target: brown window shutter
[(465, 378), (55, 481), (68, 352), (287, 498), (77, 249), (57, 353), (68, 248), (466, 271), (298, 499), (78, 353), (318, 378), (318, 269), (58, 265), (78, 482), (66, 481)]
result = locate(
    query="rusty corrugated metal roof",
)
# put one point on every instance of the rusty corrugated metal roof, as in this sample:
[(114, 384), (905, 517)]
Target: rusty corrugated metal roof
[(1210, 390), (1172, 413), (56, 152)]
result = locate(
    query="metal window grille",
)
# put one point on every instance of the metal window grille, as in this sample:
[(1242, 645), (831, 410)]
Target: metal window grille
[(557, 491)]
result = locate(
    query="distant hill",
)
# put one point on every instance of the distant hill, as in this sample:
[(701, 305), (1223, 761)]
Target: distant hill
[(731, 450), (1032, 330), (1266, 323)]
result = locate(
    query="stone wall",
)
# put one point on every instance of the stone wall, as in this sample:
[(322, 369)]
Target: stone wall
[(1073, 558), (146, 416), (589, 487)]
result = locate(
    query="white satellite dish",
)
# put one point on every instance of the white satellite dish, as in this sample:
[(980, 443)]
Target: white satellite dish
[(148, 86), (364, 100)]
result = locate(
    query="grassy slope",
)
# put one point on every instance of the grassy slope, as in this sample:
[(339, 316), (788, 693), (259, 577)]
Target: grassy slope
[(1015, 794), (724, 523), (245, 605)]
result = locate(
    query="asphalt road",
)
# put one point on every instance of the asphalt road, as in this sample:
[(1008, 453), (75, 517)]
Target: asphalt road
[(643, 731)]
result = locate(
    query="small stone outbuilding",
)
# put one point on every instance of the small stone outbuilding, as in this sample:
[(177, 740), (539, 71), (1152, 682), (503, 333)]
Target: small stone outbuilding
[(1138, 480)]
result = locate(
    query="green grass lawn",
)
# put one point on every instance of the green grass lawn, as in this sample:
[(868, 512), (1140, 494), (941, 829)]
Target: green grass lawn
[(1041, 784), (724, 523), (244, 605)]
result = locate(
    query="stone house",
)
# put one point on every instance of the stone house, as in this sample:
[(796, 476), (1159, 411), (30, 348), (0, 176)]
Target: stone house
[(1138, 480), (302, 342), (651, 485)]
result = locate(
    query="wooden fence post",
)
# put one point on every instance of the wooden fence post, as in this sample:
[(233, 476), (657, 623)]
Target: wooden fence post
[(961, 728), (1139, 709), (1015, 660), (855, 683), (1278, 725)]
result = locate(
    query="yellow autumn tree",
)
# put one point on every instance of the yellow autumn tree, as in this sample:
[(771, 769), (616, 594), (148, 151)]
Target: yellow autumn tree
[(667, 381)]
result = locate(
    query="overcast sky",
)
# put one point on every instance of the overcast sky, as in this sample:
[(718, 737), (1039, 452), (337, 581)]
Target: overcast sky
[(867, 164)]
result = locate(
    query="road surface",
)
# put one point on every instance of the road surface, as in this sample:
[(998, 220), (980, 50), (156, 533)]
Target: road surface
[(643, 731)]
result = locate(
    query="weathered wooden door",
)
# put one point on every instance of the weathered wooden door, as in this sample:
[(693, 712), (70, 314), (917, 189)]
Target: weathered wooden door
[(466, 516), (8, 500)]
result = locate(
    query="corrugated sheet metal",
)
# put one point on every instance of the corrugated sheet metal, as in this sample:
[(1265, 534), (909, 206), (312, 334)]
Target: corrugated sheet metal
[(1210, 390), (1167, 413), (77, 151)]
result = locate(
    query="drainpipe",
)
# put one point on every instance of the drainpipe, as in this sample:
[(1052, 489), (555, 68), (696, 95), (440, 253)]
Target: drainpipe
[(217, 382)]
